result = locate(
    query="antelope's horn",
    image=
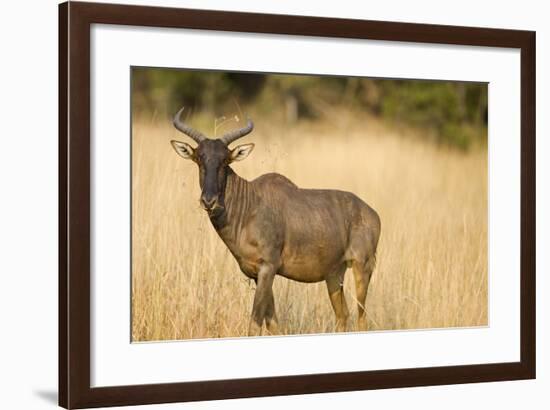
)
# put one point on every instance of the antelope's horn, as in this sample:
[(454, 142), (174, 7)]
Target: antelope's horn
[(234, 135), (186, 129)]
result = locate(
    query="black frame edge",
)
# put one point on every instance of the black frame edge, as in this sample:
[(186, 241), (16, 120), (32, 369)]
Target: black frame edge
[(63, 376), (74, 205), (78, 197), (528, 203)]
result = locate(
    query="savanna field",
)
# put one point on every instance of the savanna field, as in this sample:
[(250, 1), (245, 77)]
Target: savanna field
[(432, 256)]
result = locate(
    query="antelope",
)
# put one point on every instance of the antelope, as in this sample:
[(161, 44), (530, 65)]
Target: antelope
[(273, 227)]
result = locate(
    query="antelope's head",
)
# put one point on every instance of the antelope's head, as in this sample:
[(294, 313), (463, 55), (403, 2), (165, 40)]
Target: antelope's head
[(213, 157)]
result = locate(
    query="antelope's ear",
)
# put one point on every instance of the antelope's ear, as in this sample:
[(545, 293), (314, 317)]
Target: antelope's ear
[(183, 149), (241, 152)]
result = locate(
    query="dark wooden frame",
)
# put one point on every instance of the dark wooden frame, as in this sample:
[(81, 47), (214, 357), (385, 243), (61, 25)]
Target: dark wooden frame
[(75, 20)]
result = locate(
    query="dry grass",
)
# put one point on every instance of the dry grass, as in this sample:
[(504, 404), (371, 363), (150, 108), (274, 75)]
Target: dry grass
[(432, 256)]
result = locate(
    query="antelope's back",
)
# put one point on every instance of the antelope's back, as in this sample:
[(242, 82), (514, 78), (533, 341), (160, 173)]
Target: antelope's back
[(316, 224)]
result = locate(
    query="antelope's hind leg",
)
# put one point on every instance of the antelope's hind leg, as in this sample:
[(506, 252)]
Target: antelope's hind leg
[(271, 317), (362, 272), (335, 286)]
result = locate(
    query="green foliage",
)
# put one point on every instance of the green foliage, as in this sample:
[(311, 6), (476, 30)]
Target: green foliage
[(452, 113), (212, 91)]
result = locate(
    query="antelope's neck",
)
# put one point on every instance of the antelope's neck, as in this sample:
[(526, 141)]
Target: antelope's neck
[(239, 198)]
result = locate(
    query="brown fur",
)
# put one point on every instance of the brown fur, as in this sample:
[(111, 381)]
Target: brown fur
[(272, 227)]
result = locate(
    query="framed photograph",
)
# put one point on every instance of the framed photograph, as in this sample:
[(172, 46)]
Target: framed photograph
[(255, 205)]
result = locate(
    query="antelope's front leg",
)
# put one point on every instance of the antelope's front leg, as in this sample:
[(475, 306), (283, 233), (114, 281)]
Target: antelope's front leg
[(262, 299)]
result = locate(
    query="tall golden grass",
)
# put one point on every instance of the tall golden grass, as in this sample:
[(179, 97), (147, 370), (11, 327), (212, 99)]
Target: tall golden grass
[(432, 257)]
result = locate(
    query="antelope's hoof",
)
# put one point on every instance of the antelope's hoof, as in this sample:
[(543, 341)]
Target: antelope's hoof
[(254, 329), (362, 325), (273, 329)]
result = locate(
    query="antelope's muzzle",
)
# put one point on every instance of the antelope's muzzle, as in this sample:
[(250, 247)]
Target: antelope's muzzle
[(210, 203)]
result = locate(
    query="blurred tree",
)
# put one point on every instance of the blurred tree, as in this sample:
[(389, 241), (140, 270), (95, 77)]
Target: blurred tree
[(454, 112)]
